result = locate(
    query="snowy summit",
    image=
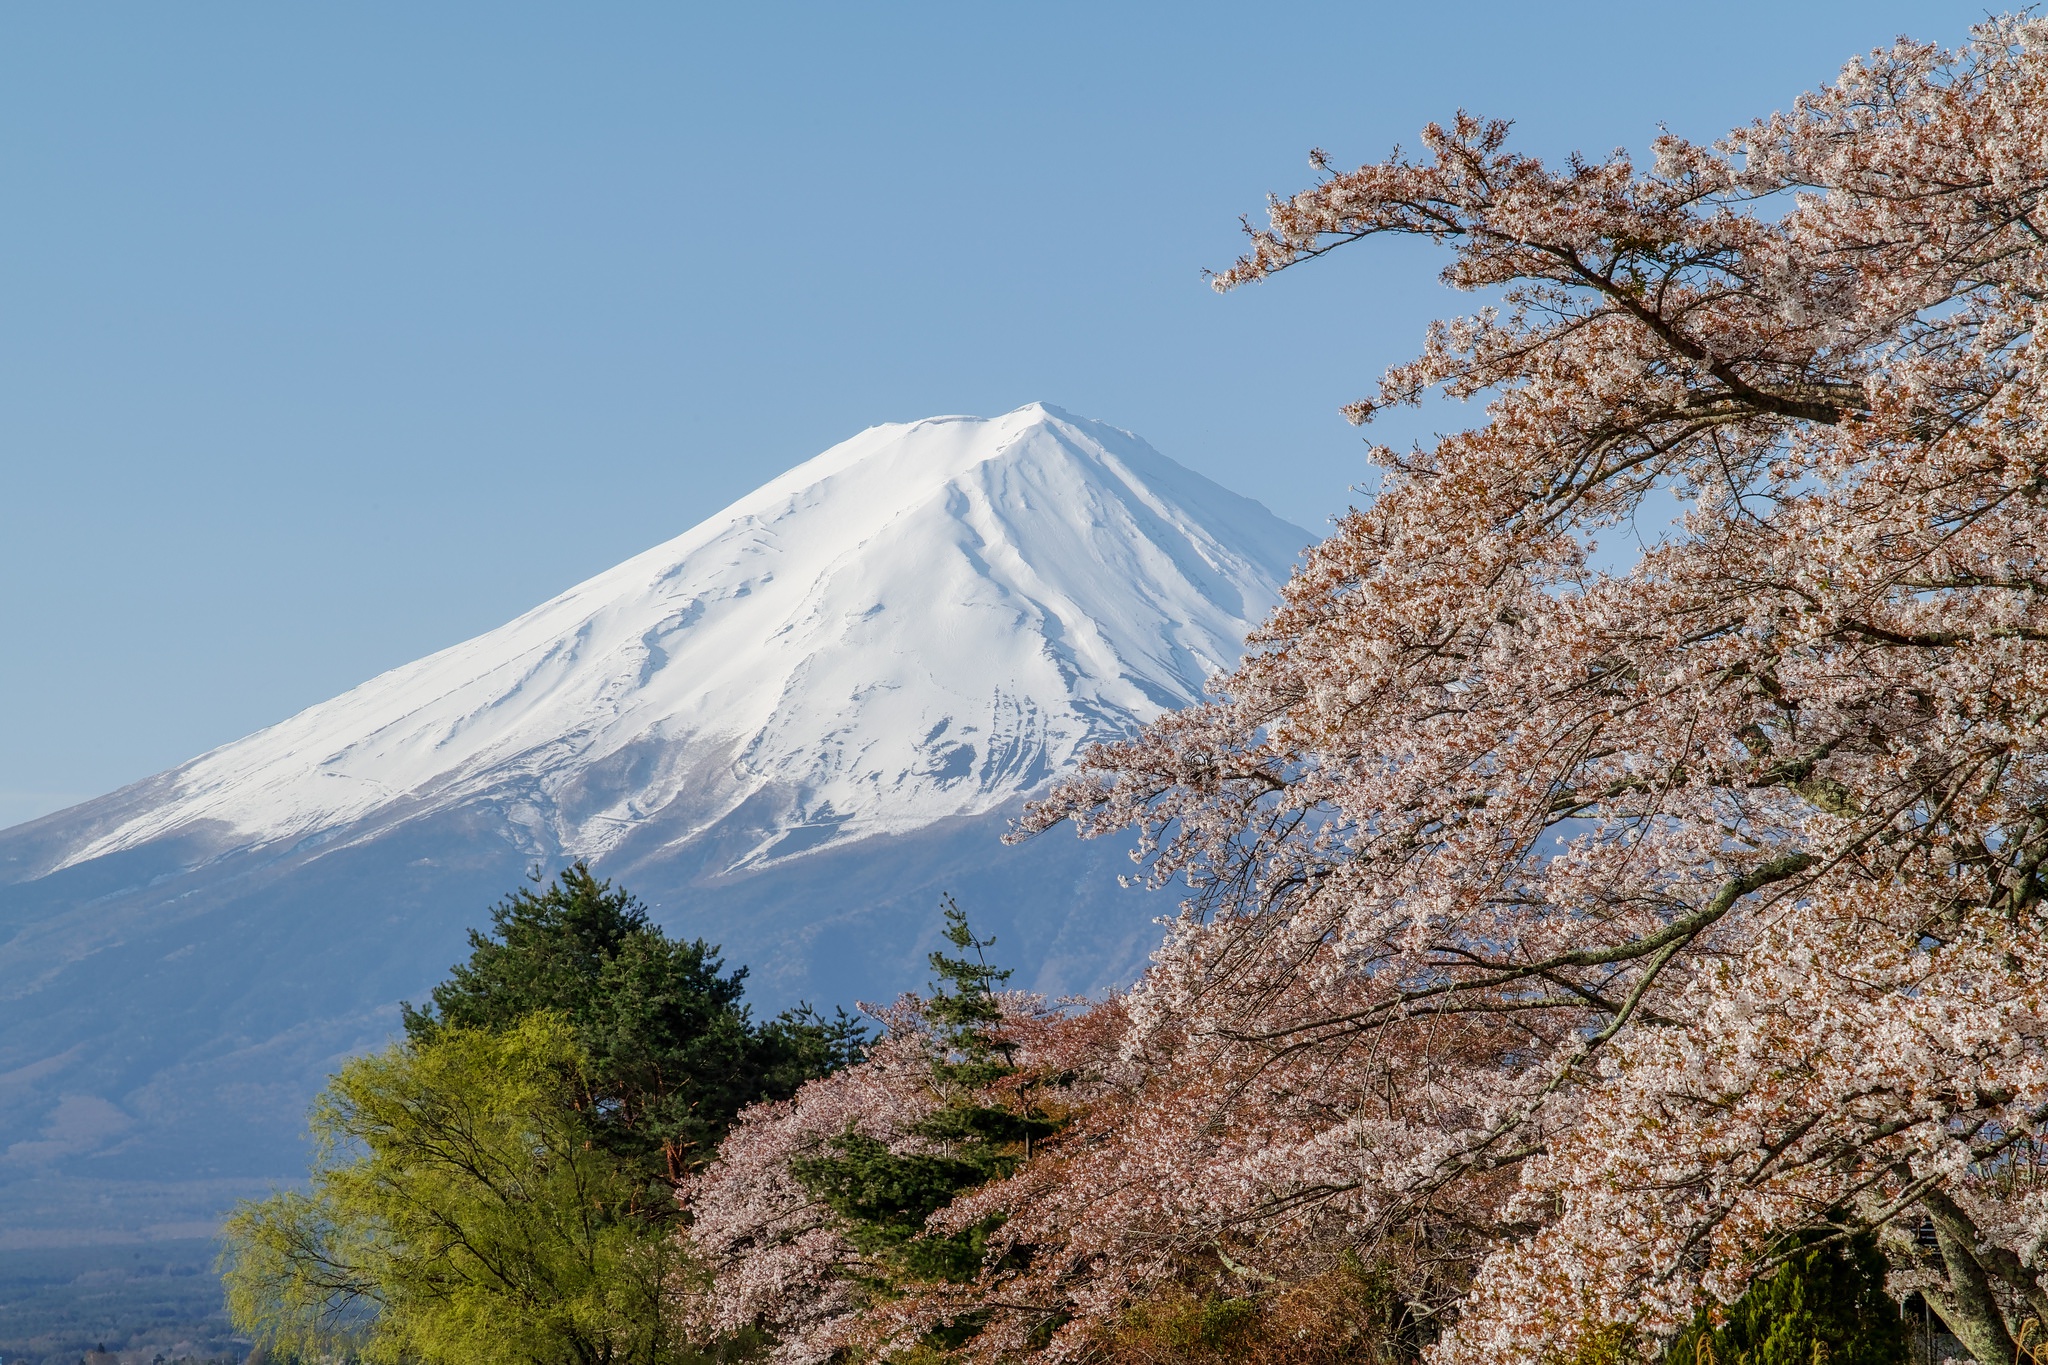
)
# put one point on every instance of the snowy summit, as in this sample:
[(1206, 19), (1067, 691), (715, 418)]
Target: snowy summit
[(927, 620)]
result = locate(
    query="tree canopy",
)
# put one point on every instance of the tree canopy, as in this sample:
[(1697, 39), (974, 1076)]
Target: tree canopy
[(671, 1051), (855, 1188), (458, 1212)]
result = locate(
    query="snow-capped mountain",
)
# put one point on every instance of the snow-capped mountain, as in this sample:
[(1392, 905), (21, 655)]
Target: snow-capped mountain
[(788, 728), (924, 621)]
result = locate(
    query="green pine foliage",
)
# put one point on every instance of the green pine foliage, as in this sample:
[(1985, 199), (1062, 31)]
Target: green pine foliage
[(1825, 1306), (882, 1199), (672, 1052), (964, 1005)]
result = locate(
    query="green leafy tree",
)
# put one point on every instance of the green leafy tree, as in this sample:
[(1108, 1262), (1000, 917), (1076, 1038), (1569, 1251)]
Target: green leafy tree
[(458, 1211), (1825, 1306)]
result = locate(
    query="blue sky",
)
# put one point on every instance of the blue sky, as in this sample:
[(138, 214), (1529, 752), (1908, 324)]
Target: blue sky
[(331, 335)]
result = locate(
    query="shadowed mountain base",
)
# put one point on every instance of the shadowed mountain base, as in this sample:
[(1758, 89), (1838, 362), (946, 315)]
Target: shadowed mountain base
[(162, 1031)]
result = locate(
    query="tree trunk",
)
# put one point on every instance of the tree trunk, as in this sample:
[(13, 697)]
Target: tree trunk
[(1970, 1309), (1996, 1260)]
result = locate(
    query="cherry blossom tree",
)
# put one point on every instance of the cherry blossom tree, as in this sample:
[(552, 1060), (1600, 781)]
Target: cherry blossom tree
[(801, 1222), (776, 1257), (1573, 939)]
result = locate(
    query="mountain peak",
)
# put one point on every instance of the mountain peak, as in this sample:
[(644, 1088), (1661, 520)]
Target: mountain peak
[(790, 729), (927, 620)]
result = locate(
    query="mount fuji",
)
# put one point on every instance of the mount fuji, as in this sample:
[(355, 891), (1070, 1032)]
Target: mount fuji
[(788, 730)]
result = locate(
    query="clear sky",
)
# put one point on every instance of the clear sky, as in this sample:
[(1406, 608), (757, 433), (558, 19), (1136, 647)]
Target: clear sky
[(334, 334)]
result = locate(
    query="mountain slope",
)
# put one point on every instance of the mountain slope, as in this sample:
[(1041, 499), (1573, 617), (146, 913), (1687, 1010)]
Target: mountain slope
[(923, 621), (789, 728)]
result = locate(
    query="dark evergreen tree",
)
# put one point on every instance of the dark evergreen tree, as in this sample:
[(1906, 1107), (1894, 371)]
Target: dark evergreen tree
[(672, 1052), (963, 1004), (883, 1199), (1825, 1306)]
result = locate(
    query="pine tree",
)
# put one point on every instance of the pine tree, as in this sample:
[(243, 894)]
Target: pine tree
[(965, 1006), (883, 1198), (1825, 1306), (673, 1053)]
